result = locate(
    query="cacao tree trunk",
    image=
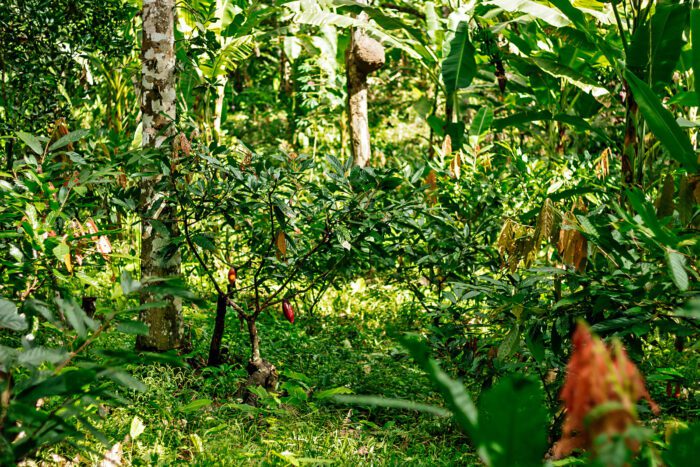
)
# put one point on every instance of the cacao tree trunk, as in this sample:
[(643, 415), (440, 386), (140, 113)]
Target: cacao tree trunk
[(260, 372), (158, 108), (218, 334), (363, 56)]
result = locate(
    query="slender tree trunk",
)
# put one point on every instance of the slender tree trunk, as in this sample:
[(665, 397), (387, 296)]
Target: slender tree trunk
[(221, 83), (357, 115), (363, 56), (254, 341), (158, 108), (260, 372), (218, 335)]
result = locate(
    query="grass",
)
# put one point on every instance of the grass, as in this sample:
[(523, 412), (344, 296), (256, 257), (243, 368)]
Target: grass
[(195, 417)]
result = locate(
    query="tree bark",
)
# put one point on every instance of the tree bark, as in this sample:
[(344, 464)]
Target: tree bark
[(260, 372), (158, 107), (218, 334), (221, 83), (363, 56)]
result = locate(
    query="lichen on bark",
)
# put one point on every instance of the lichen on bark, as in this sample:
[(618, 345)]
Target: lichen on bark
[(158, 109)]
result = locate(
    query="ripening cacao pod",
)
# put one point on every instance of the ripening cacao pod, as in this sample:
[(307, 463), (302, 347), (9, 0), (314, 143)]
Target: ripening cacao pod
[(288, 311), (232, 276)]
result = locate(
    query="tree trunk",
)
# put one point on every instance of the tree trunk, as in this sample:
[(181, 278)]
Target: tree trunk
[(363, 56), (260, 372), (158, 108), (218, 334), (221, 83)]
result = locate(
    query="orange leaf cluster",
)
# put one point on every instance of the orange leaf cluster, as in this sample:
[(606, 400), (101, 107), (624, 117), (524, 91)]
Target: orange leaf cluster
[(573, 246), (431, 191), (603, 378)]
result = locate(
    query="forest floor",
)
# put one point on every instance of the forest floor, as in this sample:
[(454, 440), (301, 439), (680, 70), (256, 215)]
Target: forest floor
[(196, 417)]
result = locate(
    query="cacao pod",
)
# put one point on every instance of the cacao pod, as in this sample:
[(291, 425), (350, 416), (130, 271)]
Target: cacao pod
[(232, 276), (288, 311)]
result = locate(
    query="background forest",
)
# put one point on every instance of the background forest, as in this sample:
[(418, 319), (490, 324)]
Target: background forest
[(447, 232)]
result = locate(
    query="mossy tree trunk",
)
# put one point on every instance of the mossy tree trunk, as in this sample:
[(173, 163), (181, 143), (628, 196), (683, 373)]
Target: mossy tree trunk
[(158, 108)]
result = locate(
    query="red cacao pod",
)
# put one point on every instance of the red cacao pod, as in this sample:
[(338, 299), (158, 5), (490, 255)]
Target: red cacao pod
[(232, 276), (288, 311)]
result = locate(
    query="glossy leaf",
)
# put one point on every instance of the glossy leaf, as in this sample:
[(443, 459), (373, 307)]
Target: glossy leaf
[(513, 423), (31, 141), (459, 66), (662, 123), (454, 392), (10, 318), (676, 266)]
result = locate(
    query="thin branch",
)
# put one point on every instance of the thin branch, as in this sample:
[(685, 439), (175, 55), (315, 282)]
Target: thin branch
[(256, 284), (188, 239), (87, 342)]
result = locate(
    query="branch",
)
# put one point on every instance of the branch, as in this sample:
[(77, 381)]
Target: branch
[(188, 239), (297, 266), (87, 342)]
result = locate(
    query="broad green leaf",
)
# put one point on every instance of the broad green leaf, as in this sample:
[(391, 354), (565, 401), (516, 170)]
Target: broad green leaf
[(676, 266), (684, 447), (8, 358), (325, 394), (454, 392), (375, 401), (136, 328), (71, 137), (125, 379), (10, 318), (578, 18), (522, 118), (227, 11), (459, 67), (558, 70), (31, 141), (510, 343), (195, 405), (60, 251), (662, 123), (76, 316), (69, 381), (482, 121), (689, 310), (656, 45), (513, 424), (204, 241), (314, 14), (537, 10), (38, 355)]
